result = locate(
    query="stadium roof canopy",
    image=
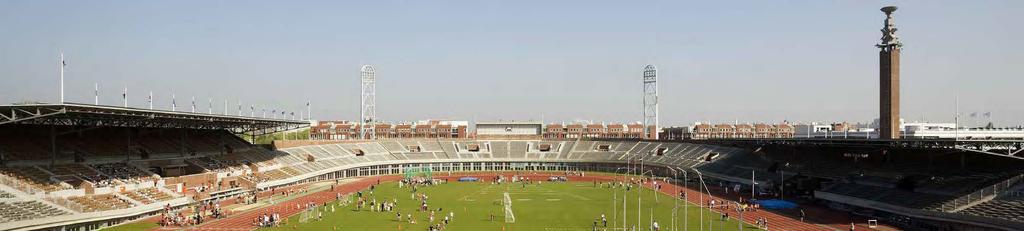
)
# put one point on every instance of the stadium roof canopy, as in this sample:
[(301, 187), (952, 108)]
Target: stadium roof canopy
[(70, 114)]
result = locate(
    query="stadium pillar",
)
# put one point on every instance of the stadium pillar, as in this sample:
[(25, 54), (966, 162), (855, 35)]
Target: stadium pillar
[(128, 153), (53, 141), (183, 150)]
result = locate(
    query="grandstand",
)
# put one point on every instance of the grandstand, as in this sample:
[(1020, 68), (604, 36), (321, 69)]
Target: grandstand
[(82, 167), (55, 173)]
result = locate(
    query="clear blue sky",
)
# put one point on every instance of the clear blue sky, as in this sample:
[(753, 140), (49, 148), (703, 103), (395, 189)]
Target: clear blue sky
[(516, 60)]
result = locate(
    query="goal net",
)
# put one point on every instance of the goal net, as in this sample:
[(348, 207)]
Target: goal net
[(418, 173), (509, 216), (307, 215)]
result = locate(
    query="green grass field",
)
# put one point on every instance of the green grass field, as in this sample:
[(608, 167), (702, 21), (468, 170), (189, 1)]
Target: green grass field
[(549, 206)]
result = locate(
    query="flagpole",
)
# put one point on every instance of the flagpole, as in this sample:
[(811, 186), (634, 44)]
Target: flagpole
[(125, 96), (150, 100), (956, 119), (96, 94), (174, 102), (62, 64), (209, 106)]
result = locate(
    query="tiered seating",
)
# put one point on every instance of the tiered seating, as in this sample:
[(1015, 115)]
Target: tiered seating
[(157, 142), (275, 174), (20, 147), (393, 146), (148, 195), (500, 149), (517, 149), (1009, 208), (890, 196), (77, 170), (26, 210), (429, 146), (220, 163), (122, 172), (32, 176), (962, 184), (261, 157), (102, 202)]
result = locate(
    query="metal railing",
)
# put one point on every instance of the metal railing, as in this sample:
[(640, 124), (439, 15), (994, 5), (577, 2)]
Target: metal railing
[(987, 192)]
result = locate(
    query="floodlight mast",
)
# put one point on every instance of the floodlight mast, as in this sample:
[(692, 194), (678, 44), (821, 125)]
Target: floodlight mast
[(367, 110), (650, 113)]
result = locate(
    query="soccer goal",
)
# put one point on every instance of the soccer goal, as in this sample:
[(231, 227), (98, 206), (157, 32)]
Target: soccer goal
[(418, 173), (307, 215), (509, 216)]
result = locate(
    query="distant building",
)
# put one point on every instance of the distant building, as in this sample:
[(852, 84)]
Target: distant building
[(430, 129), (675, 133), (509, 130), (742, 131), (594, 131)]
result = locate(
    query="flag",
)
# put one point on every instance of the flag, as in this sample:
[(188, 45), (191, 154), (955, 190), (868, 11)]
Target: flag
[(988, 114), (974, 114)]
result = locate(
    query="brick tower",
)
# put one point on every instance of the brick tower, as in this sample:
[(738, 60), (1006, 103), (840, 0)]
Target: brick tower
[(889, 75)]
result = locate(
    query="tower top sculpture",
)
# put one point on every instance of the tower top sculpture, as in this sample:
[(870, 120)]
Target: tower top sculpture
[(889, 38)]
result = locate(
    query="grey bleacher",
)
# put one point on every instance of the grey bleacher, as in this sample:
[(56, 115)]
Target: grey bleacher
[(623, 146), (373, 148), (448, 148), (914, 200), (499, 149), (25, 210), (336, 150), (584, 146), (430, 146), (393, 146), (565, 149), (5, 194), (1003, 207), (517, 149)]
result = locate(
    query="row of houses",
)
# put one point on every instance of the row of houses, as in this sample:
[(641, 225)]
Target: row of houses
[(610, 131), (340, 130), (432, 129), (729, 131)]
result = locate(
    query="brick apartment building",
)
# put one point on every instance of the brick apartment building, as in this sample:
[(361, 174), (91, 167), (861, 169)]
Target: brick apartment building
[(600, 131), (742, 131), (432, 129)]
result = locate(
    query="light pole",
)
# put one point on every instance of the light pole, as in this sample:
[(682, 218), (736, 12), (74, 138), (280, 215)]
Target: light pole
[(739, 211), (675, 207), (639, 192), (705, 188), (615, 212)]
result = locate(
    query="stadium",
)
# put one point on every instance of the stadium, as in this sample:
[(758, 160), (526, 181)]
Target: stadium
[(84, 167), (74, 166)]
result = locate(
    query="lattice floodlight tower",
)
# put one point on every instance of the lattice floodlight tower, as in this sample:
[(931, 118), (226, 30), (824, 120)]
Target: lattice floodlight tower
[(368, 105), (650, 102)]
